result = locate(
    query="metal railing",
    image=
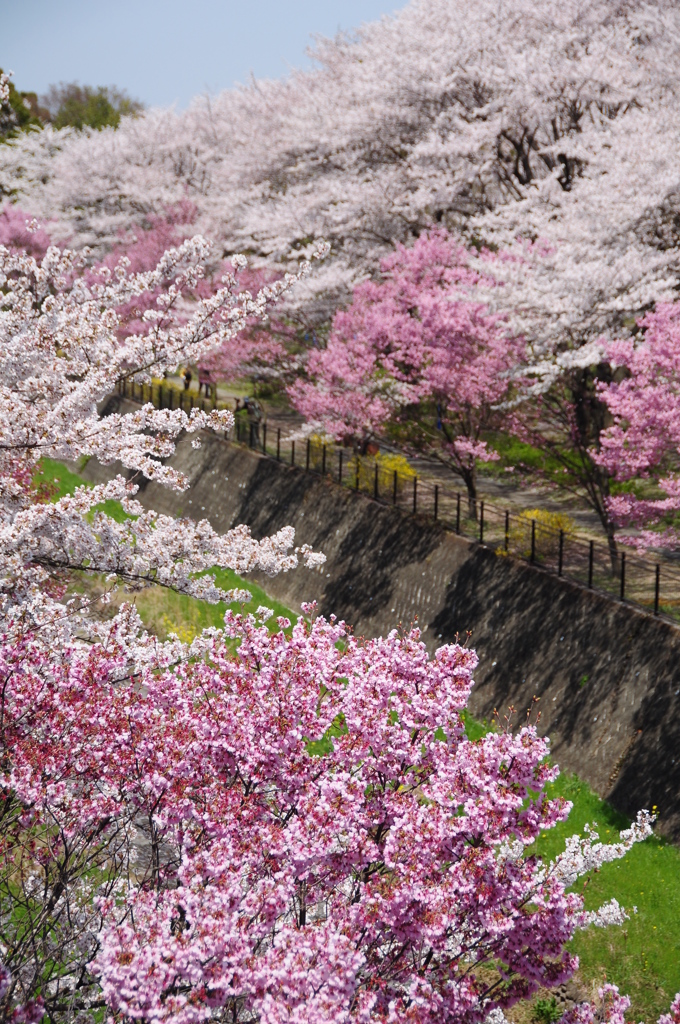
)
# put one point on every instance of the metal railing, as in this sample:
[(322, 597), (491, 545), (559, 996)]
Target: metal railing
[(651, 585)]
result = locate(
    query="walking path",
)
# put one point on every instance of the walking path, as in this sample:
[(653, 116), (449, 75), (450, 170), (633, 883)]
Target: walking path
[(507, 489)]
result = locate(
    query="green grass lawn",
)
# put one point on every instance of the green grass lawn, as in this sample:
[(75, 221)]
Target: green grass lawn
[(643, 957), (60, 480), (164, 611)]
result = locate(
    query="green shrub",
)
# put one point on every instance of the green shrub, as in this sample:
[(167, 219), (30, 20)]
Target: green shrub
[(546, 1011)]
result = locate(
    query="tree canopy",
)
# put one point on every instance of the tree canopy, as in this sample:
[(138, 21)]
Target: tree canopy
[(71, 105)]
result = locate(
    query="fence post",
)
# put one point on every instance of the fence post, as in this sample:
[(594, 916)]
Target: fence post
[(309, 448), (560, 556), (264, 438), (533, 541), (436, 501), (656, 588), (415, 494), (323, 460), (340, 467), (394, 489), (278, 444), (507, 530), (591, 558), (292, 453), (458, 512), (375, 481), (481, 522), (252, 435), (623, 576)]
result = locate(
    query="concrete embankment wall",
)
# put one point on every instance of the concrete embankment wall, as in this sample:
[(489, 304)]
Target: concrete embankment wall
[(608, 676)]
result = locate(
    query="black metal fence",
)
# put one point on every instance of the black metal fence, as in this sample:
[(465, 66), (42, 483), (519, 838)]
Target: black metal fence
[(651, 585)]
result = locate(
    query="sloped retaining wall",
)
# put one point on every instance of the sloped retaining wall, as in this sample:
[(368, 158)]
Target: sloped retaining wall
[(608, 676)]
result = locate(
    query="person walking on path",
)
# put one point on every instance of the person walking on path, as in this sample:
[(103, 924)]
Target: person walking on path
[(255, 414), (205, 380)]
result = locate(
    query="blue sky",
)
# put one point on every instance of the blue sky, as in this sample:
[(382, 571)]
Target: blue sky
[(166, 51)]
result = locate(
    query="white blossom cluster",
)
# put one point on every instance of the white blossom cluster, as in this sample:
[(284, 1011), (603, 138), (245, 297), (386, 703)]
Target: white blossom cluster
[(61, 354), (586, 853)]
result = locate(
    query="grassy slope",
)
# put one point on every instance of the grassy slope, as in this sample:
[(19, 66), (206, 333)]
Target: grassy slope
[(163, 611), (643, 957)]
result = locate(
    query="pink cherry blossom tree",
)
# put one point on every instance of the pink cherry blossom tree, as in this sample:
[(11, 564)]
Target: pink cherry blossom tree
[(563, 418), (19, 230), (419, 350), (644, 440), (300, 829)]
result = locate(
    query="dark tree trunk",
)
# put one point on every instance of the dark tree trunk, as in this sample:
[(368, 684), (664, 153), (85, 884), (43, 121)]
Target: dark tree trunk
[(470, 481), (592, 417)]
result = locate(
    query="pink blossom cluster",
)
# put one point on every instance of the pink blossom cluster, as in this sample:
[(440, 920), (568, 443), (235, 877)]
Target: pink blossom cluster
[(298, 830), (421, 335), (18, 230), (644, 440)]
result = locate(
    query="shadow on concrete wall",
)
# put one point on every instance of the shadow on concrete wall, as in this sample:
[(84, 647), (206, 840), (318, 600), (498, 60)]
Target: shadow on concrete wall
[(606, 675)]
